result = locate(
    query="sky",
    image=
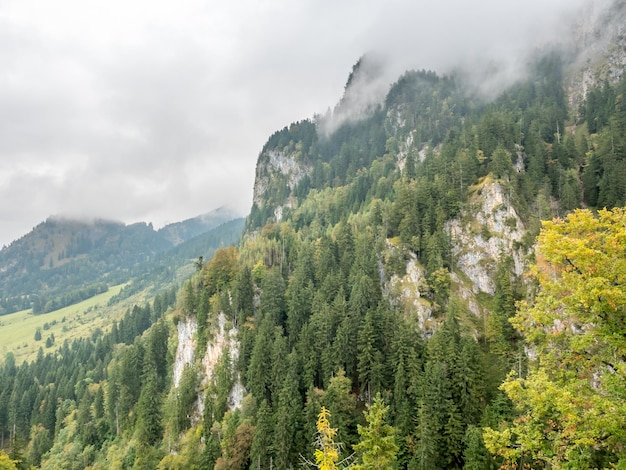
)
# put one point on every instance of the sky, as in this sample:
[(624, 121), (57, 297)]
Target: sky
[(156, 111)]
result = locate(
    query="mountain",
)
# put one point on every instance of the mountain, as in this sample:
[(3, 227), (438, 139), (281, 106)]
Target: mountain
[(180, 232), (378, 307), (62, 260)]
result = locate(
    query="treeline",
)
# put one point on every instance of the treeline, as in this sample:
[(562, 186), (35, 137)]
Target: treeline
[(445, 139), (118, 254), (31, 274), (44, 305)]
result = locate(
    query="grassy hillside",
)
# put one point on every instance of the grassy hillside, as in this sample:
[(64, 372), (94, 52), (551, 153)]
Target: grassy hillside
[(62, 262), (84, 319)]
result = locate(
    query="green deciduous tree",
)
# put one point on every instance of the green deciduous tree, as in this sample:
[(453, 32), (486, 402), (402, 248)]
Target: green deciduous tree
[(572, 404), (220, 270)]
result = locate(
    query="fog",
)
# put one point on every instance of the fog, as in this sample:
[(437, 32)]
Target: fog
[(154, 111)]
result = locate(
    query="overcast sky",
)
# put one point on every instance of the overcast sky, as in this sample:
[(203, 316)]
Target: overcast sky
[(150, 110)]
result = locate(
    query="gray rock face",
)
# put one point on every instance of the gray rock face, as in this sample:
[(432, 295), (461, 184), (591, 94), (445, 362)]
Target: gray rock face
[(490, 229), (600, 45), (273, 166), (406, 291), (186, 344), (222, 340)]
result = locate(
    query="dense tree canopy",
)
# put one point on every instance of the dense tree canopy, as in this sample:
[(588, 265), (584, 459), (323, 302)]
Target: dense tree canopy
[(572, 403)]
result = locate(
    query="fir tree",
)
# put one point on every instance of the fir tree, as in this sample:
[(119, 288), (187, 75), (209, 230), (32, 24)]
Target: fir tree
[(377, 448)]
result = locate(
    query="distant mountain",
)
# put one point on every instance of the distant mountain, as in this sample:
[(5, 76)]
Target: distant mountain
[(62, 261), (180, 232)]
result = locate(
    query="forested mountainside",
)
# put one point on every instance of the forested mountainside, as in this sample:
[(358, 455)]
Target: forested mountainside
[(62, 261), (363, 320), (180, 232)]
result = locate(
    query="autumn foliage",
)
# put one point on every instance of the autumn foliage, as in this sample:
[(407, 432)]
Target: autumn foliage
[(572, 403)]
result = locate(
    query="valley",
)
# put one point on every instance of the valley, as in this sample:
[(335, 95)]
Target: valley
[(434, 280), (89, 318)]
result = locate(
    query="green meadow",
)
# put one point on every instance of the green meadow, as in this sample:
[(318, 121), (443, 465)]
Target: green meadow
[(17, 330)]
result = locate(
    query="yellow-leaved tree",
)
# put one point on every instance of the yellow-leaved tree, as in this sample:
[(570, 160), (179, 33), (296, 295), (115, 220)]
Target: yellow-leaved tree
[(6, 463), (327, 451), (571, 406)]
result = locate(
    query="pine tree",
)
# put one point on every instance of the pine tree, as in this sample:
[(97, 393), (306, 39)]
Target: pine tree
[(426, 449), (190, 300), (299, 297), (287, 417), (273, 297), (475, 455), (185, 396), (339, 400), (259, 371), (370, 358), (244, 295)]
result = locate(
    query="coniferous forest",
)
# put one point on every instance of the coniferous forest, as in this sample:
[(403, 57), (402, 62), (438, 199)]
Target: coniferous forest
[(436, 285)]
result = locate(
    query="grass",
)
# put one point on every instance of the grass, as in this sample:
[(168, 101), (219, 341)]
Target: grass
[(17, 330)]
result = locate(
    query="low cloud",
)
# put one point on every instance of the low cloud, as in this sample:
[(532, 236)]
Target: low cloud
[(157, 112)]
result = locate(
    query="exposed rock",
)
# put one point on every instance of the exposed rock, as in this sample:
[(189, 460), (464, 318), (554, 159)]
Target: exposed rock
[(489, 229), (278, 213), (422, 153), (405, 149), (407, 291), (223, 340), (276, 164), (600, 44), (186, 345), (215, 348)]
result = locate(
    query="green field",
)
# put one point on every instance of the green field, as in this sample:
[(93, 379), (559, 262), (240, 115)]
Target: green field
[(17, 330)]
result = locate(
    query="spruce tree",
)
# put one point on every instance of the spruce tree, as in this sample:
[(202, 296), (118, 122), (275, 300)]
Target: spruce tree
[(377, 448), (149, 419)]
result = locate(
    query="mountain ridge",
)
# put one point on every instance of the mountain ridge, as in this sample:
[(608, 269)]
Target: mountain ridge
[(377, 278), (65, 256)]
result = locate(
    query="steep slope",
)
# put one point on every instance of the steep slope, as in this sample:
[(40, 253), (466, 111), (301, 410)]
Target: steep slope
[(383, 255), (416, 220)]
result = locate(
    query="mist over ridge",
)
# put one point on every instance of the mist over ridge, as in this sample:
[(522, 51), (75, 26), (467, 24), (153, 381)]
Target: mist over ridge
[(136, 113), (490, 49)]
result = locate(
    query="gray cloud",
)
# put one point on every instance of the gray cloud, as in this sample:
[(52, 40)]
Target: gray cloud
[(156, 110)]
